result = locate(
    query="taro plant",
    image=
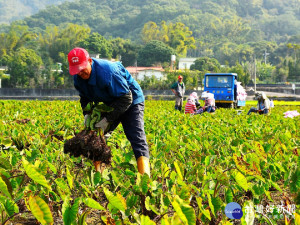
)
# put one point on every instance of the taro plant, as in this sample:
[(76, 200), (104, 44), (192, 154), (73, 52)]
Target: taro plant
[(199, 164)]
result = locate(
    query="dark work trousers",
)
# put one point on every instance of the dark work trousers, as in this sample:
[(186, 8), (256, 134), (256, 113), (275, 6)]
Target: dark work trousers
[(255, 110), (133, 124), (210, 109)]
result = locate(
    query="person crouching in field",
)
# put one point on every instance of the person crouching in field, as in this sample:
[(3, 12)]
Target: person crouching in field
[(99, 80), (190, 107), (263, 104), (195, 96), (209, 102)]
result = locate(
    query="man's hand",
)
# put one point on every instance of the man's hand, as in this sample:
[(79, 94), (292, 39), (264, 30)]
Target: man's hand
[(87, 119), (103, 124)]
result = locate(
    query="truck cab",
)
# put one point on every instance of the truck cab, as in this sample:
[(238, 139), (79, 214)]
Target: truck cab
[(224, 88)]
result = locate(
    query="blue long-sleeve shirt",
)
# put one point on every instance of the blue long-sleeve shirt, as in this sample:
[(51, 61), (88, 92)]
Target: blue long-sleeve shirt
[(108, 82)]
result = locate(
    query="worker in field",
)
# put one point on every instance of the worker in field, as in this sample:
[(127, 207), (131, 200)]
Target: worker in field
[(193, 104), (178, 88), (209, 102), (99, 80), (263, 104), (196, 98), (190, 106)]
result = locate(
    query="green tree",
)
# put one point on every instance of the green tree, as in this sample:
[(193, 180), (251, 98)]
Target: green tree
[(17, 36), (54, 45), (264, 72), (229, 53), (295, 48), (234, 29), (241, 71), (125, 50), (24, 69), (293, 75), (62, 39), (150, 32), (206, 64), (281, 72), (154, 53), (96, 43), (178, 36)]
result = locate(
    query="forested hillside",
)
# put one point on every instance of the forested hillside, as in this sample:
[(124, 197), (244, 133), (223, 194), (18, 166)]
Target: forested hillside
[(12, 10), (213, 20), (254, 38)]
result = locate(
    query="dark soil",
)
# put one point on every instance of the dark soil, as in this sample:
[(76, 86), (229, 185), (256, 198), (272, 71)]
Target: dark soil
[(23, 121), (90, 145)]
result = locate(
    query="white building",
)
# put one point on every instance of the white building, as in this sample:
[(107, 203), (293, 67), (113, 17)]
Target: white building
[(139, 73), (185, 63)]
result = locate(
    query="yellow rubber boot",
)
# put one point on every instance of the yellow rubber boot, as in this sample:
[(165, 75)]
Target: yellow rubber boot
[(143, 165), (99, 166)]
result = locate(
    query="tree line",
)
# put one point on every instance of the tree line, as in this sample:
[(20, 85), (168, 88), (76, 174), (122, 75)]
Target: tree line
[(39, 58)]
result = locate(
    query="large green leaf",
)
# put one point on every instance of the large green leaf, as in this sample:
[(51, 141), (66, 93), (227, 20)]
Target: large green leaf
[(295, 181), (145, 183), (205, 212), (275, 185), (54, 170), (69, 178), (150, 205), (117, 201), (228, 195), (10, 206), (92, 203), (211, 205), (70, 212), (62, 187), (34, 174), (241, 180), (178, 170), (185, 212), (145, 220), (40, 210), (3, 188), (131, 201), (4, 163)]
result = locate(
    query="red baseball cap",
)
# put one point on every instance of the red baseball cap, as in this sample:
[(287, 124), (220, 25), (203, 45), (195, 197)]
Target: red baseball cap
[(78, 60), (179, 77)]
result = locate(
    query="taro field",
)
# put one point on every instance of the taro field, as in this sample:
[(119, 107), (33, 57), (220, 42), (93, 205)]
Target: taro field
[(199, 165)]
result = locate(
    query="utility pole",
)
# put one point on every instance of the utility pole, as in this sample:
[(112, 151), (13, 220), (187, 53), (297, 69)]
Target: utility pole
[(173, 59), (136, 72), (265, 56), (254, 74), (294, 88)]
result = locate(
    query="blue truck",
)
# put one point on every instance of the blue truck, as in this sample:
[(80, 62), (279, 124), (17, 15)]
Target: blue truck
[(224, 88)]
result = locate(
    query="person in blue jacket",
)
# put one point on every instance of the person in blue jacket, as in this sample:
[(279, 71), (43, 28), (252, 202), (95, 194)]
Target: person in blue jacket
[(100, 80)]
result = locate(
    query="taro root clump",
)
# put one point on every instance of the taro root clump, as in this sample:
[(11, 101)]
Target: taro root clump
[(87, 142), (90, 145)]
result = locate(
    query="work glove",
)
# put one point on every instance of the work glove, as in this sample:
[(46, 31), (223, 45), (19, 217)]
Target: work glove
[(86, 118), (103, 124)]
